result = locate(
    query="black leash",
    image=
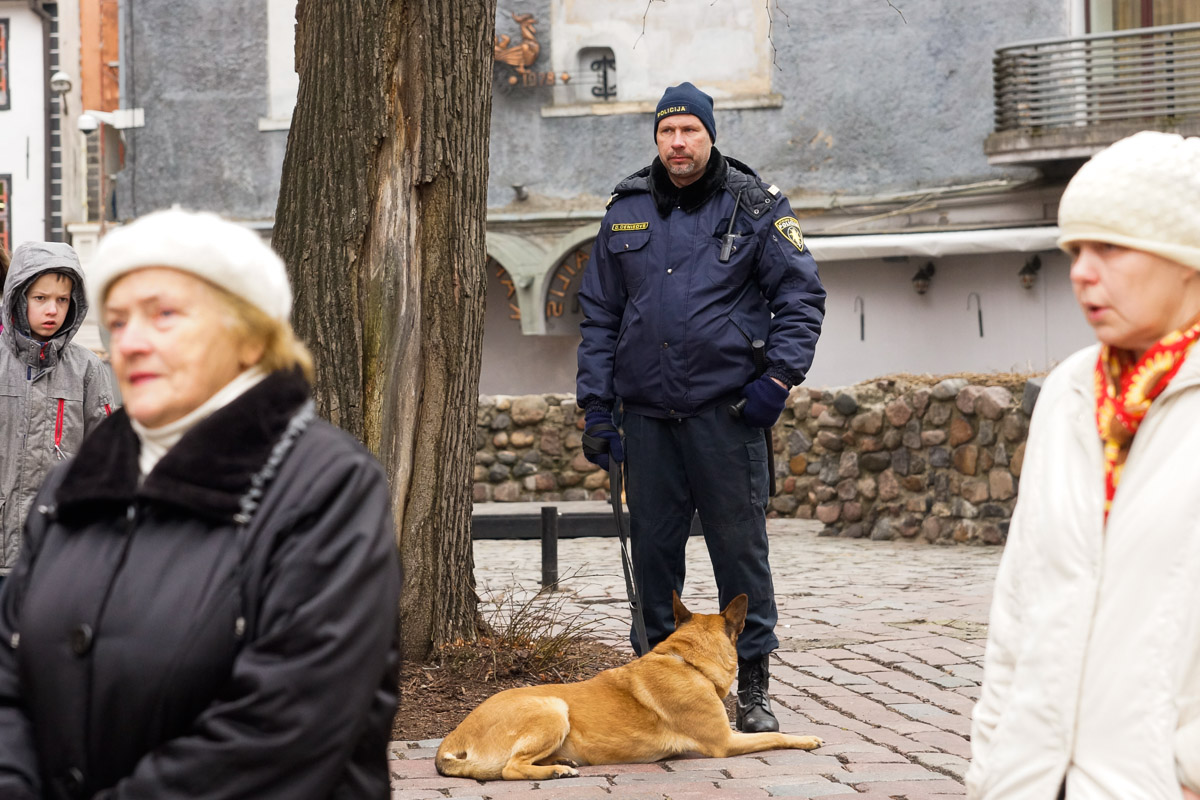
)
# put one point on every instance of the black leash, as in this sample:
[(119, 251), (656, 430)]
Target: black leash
[(635, 599), (600, 445)]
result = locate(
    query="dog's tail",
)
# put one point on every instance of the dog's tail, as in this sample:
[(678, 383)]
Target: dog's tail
[(460, 762), (450, 763)]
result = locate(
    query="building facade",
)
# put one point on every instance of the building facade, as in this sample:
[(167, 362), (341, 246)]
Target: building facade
[(40, 158), (929, 207), (899, 132), (199, 77)]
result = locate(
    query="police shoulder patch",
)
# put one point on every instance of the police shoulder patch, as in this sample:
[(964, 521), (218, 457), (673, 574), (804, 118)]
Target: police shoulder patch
[(630, 226), (790, 228)]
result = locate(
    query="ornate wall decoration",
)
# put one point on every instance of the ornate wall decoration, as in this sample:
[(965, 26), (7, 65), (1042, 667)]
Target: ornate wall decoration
[(524, 54)]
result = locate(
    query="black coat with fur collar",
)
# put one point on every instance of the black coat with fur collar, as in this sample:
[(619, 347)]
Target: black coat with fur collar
[(154, 645)]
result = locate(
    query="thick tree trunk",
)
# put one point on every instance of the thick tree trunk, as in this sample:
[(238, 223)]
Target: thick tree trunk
[(381, 222)]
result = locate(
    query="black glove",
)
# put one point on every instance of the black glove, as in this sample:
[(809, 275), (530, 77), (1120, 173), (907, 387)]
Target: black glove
[(601, 439), (764, 402)]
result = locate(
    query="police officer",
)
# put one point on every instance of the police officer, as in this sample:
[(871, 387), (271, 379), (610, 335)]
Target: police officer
[(697, 260)]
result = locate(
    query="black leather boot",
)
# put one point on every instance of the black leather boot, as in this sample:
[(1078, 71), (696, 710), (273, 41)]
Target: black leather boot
[(754, 713)]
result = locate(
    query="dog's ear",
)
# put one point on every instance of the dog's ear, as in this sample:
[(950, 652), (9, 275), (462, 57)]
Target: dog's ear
[(735, 615), (682, 615)]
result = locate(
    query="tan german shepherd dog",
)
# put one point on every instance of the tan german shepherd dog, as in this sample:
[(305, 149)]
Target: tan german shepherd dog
[(666, 703)]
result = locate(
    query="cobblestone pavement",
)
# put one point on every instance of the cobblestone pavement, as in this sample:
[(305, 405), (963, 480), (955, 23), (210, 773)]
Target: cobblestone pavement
[(881, 652)]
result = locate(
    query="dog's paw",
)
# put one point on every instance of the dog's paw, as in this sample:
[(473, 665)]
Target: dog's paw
[(566, 762), (810, 742), (565, 769)]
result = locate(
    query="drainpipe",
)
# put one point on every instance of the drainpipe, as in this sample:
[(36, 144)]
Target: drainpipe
[(36, 7), (122, 79), (124, 102)]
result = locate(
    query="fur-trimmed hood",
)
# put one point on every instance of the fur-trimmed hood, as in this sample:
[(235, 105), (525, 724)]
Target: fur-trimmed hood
[(31, 260)]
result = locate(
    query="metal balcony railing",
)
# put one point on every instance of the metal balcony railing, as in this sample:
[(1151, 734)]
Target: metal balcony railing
[(1141, 74)]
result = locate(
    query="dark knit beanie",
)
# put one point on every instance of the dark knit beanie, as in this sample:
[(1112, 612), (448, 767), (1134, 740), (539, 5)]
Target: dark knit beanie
[(686, 99)]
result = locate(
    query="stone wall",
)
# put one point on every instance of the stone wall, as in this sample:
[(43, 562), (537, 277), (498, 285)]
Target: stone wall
[(888, 459), (530, 448)]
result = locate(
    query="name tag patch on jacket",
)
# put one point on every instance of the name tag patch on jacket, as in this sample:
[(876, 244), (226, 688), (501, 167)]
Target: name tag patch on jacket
[(790, 228), (639, 226)]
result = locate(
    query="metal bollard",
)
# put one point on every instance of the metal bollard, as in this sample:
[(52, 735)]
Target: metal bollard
[(549, 546)]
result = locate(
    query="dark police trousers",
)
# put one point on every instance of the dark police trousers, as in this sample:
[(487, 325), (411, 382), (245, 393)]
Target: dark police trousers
[(717, 465)]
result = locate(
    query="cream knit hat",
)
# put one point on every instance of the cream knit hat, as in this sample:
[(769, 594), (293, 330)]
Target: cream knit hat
[(221, 252), (1143, 193)]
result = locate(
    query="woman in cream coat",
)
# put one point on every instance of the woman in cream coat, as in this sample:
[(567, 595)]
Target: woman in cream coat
[(1092, 675)]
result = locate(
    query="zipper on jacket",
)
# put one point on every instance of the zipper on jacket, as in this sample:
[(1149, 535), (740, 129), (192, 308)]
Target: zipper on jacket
[(1155, 407), (131, 519), (58, 430)]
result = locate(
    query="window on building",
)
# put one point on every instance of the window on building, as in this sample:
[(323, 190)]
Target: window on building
[(1121, 15), (597, 75), (6, 212), (618, 56), (4, 99), (282, 81)]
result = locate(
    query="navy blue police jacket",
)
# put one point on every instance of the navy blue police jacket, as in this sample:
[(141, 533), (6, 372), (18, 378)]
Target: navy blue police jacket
[(667, 326)]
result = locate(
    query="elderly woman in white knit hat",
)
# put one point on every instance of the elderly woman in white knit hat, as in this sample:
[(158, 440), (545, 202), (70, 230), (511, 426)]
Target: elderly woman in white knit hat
[(1092, 675), (205, 605)]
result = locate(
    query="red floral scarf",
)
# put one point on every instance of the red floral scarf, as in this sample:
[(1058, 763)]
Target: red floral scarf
[(1125, 388)]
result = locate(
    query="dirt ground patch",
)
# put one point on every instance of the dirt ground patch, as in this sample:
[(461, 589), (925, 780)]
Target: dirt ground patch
[(1013, 381), (437, 695)]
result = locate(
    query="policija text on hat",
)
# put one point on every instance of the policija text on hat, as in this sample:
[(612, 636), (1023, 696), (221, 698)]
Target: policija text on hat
[(702, 308)]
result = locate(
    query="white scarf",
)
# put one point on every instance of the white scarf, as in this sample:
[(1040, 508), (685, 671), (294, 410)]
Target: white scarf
[(157, 441)]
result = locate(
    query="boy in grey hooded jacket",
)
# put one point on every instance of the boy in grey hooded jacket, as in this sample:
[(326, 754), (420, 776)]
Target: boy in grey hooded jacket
[(52, 392)]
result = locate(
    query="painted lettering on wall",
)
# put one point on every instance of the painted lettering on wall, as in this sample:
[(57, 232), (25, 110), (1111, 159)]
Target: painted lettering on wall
[(563, 313), (514, 311), (537, 79)]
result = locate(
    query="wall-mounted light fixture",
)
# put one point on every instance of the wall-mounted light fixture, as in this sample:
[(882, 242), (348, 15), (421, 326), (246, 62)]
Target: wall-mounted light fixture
[(60, 84), (923, 278), (521, 192), (1029, 272)]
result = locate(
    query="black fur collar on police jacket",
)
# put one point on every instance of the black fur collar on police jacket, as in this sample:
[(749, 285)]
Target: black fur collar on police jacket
[(689, 198), (207, 472)]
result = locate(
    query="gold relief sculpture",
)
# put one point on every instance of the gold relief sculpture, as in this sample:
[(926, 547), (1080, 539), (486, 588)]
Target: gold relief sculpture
[(519, 56)]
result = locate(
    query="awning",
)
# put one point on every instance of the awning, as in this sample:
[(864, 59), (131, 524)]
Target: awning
[(934, 244)]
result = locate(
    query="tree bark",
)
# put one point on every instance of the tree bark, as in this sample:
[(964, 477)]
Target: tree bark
[(381, 222)]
